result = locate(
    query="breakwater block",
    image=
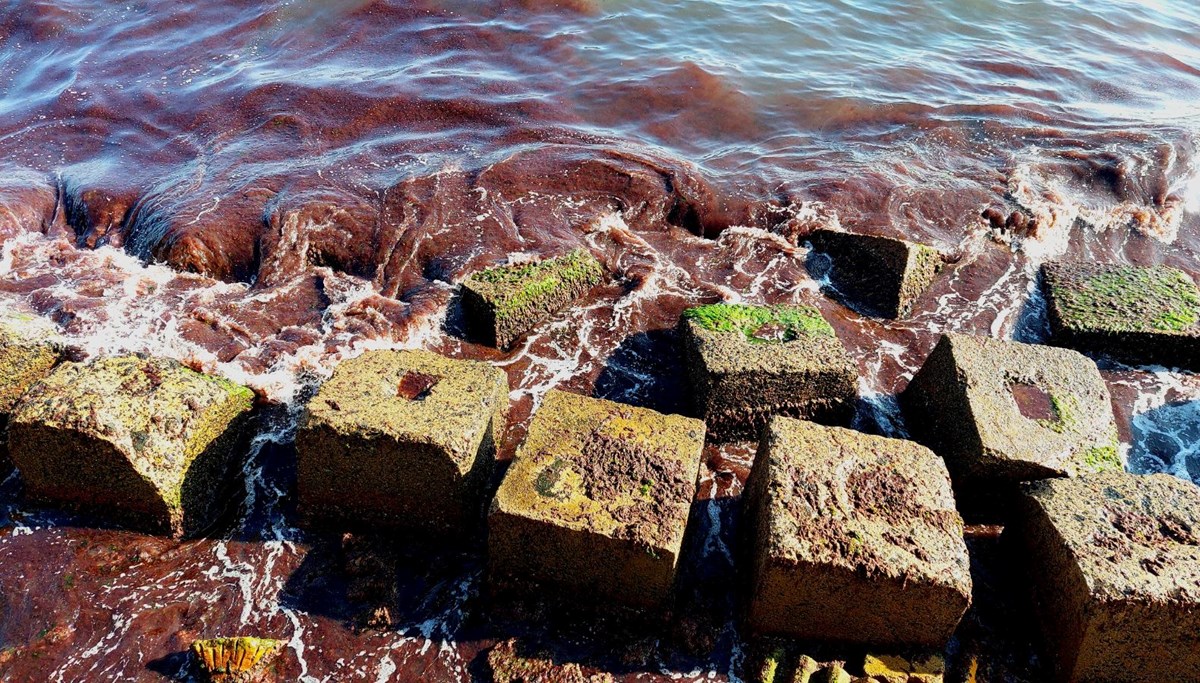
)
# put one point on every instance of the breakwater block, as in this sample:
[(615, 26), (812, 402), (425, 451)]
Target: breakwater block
[(144, 442), (1002, 412), (502, 304), (880, 276), (1113, 564), (28, 352), (855, 539), (596, 501), (402, 438), (746, 363), (510, 662), (1136, 315), (235, 660)]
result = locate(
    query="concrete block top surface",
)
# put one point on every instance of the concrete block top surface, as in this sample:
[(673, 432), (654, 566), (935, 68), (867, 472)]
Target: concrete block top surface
[(412, 396), (607, 468), (1107, 298), (736, 338)]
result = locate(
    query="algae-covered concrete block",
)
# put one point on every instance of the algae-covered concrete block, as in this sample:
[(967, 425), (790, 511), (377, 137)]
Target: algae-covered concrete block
[(1137, 315), (596, 500), (29, 350), (141, 441), (1001, 412), (509, 664), (403, 438), (855, 539), (896, 669), (881, 276), (235, 660), (503, 303), (747, 363), (1114, 567)]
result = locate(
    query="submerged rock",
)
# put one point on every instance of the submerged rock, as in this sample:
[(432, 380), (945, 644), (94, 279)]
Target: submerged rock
[(747, 363), (235, 660), (508, 665), (855, 539), (28, 352), (1113, 562), (503, 303), (597, 500), (403, 438), (1003, 412), (880, 276), (144, 442), (1137, 315)]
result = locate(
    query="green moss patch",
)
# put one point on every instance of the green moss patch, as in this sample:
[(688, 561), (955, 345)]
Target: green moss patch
[(761, 324)]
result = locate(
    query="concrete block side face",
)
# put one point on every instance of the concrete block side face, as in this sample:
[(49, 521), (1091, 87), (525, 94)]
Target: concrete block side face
[(939, 413), (880, 275)]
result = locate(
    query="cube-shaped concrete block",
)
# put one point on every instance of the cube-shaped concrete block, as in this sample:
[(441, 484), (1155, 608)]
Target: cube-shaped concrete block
[(401, 438), (1114, 567), (747, 363), (855, 539), (1002, 412), (1136, 315), (879, 276), (143, 442), (501, 304), (29, 350), (597, 501)]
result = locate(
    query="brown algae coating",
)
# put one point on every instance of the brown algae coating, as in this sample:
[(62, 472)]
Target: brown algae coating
[(28, 352), (145, 441), (234, 660), (746, 363), (505, 302), (1135, 314), (1113, 563), (881, 275), (401, 437), (597, 479), (856, 539)]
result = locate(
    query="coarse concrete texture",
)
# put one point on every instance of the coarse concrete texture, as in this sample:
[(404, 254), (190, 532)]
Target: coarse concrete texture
[(29, 350), (880, 276)]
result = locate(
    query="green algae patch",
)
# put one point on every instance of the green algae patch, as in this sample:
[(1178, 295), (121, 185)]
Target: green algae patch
[(243, 659), (879, 276), (855, 539), (402, 438), (505, 302), (746, 363), (593, 479), (144, 442), (29, 350), (1132, 313)]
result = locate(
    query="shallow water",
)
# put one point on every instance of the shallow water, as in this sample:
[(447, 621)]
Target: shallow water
[(264, 189)]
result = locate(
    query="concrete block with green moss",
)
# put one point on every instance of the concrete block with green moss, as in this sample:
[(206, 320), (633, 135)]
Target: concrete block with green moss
[(880, 276), (1136, 315), (502, 304), (1113, 564), (402, 438), (243, 659), (1003, 412), (596, 501), (747, 363), (855, 538), (143, 442), (29, 350)]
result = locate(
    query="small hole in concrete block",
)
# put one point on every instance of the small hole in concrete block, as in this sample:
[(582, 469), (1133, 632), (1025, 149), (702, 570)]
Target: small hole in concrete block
[(1033, 401), (415, 386)]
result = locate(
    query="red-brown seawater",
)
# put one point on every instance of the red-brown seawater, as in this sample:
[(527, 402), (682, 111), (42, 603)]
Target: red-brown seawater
[(263, 189)]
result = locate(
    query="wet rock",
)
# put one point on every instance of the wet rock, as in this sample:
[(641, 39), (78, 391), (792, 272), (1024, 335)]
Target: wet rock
[(1136, 315), (28, 352), (402, 438), (897, 669), (509, 665), (597, 479), (144, 442), (782, 664), (1002, 412), (235, 660), (503, 303), (1113, 563), (746, 363), (856, 539), (881, 276)]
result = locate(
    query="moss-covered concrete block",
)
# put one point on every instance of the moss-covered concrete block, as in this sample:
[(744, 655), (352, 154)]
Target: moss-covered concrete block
[(144, 442), (596, 501), (503, 303), (1114, 567), (880, 276), (29, 350), (1136, 315), (1002, 412), (235, 660), (402, 438), (855, 539), (747, 363)]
